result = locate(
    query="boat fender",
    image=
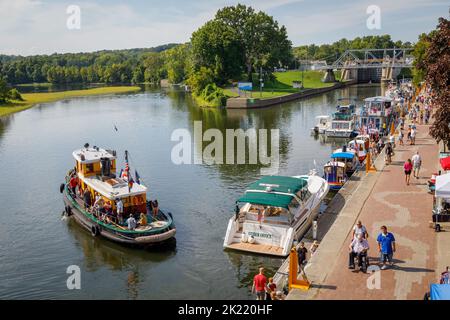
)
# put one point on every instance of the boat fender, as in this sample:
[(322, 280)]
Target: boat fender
[(437, 228), (244, 238), (95, 231), (251, 239), (61, 188), (68, 210)]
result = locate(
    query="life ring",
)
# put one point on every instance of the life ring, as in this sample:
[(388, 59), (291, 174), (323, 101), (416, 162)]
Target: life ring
[(95, 231), (61, 187)]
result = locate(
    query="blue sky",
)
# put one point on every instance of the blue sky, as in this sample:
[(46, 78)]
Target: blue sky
[(39, 26)]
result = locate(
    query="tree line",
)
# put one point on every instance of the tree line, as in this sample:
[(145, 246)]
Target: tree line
[(331, 52), (432, 64), (239, 43)]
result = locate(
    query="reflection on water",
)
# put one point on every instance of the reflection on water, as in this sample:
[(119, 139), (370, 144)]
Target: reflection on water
[(36, 146)]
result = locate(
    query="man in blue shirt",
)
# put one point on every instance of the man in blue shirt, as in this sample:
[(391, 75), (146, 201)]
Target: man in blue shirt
[(386, 246)]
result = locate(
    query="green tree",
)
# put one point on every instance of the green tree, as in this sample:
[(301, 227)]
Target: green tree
[(436, 63), (4, 90), (240, 39)]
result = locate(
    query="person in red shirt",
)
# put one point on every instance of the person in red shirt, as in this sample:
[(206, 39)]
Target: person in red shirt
[(73, 184), (259, 285), (408, 168)]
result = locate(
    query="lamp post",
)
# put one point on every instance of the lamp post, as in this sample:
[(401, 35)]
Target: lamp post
[(261, 83)]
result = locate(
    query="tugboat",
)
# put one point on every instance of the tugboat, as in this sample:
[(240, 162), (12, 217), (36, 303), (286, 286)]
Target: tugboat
[(110, 206), (275, 211)]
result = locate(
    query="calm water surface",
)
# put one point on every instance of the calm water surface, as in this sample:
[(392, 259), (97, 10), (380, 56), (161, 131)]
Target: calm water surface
[(35, 153)]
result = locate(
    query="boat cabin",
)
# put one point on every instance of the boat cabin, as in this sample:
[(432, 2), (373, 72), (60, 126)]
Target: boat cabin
[(348, 157), (96, 171), (375, 112), (334, 174)]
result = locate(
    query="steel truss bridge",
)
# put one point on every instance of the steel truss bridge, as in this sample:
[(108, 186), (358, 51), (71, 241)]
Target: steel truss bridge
[(372, 58)]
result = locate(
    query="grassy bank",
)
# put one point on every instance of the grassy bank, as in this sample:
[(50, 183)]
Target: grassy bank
[(31, 99), (282, 85)]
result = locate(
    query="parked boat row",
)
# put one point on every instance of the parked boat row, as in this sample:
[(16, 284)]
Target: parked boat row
[(349, 120)]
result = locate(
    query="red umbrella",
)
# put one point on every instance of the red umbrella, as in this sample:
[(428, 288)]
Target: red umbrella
[(445, 163)]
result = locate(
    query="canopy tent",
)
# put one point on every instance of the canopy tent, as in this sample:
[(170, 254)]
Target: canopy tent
[(274, 191), (440, 292), (343, 155), (445, 163), (443, 186)]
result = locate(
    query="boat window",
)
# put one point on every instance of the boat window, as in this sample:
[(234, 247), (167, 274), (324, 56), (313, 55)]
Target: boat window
[(340, 125), (304, 194), (89, 167)]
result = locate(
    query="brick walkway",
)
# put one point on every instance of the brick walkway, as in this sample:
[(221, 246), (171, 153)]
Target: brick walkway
[(406, 211)]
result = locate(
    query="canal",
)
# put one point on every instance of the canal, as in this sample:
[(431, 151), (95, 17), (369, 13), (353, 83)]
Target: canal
[(37, 245)]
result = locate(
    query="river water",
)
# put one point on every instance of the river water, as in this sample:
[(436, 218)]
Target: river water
[(37, 246)]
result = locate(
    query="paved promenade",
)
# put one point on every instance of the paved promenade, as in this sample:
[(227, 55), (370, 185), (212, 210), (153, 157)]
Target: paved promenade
[(383, 198)]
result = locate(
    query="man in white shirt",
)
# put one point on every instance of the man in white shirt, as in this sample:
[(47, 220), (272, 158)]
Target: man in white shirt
[(358, 248), (359, 229), (119, 206), (417, 162), (413, 136), (131, 222)]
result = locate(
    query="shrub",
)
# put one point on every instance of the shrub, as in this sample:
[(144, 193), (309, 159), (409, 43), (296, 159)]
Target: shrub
[(14, 94)]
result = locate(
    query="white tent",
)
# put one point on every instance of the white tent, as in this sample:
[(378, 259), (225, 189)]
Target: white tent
[(443, 186)]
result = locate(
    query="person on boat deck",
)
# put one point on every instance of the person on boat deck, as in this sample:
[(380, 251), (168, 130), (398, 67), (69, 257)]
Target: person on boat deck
[(73, 184), (155, 208), (131, 222), (142, 219), (119, 206), (87, 198), (98, 203)]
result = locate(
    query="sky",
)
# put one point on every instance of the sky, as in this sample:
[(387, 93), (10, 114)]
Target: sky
[(29, 27)]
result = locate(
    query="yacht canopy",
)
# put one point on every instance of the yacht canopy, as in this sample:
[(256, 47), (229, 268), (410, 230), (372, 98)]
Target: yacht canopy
[(276, 191)]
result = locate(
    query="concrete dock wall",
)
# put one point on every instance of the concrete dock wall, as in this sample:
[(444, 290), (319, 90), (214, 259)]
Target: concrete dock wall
[(252, 103)]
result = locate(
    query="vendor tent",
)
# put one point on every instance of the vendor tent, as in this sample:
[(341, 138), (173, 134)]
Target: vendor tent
[(443, 186), (445, 163), (440, 292)]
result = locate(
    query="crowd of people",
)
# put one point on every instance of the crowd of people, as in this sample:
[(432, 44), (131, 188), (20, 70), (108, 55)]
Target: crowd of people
[(110, 211), (419, 113)]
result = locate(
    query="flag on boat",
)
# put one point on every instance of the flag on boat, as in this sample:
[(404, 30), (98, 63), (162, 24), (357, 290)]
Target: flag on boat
[(138, 178)]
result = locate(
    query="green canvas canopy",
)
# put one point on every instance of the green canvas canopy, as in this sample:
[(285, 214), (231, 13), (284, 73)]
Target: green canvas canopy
[(257, 194)]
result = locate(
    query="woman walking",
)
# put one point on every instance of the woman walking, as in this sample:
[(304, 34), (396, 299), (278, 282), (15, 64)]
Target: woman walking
[(408, 168)]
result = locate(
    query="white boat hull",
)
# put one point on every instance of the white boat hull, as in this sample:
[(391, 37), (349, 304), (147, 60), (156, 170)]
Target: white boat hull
[(277, 240)]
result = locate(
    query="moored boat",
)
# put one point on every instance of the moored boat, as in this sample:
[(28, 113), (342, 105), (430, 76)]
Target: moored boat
[(334, 173), (274, 211), (323, 123), (343, 123), (117, 198), (360, 146), (348, 157)]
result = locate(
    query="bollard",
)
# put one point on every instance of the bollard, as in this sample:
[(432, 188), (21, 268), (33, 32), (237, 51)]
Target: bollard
[(314, 229), (369, 167)]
